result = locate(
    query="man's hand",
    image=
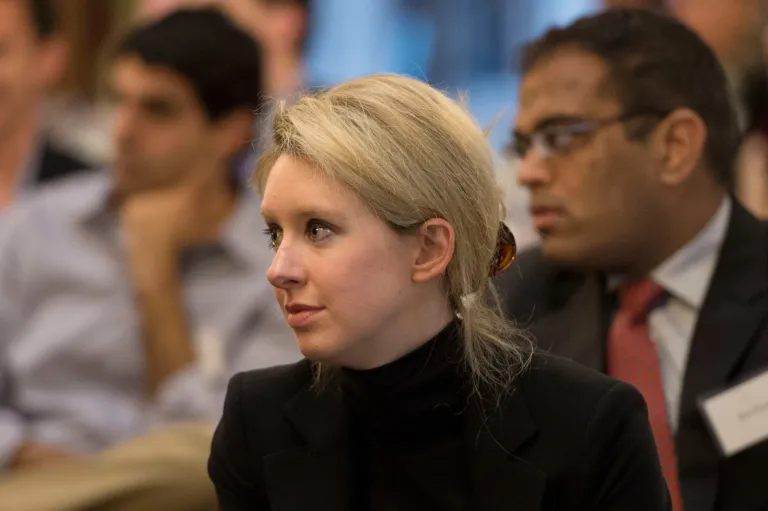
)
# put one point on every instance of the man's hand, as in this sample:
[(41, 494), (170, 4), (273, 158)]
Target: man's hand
[(158, 225), (32, 454)]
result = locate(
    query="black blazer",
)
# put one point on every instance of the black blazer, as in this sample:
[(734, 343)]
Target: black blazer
[(567, 439), (569, 313)]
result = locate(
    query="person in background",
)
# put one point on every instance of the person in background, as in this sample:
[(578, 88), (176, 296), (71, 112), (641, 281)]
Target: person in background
[(130, 297), (385, 218), (648, 268), (281, 27), (734, 30), (32, 58), (658, 5)]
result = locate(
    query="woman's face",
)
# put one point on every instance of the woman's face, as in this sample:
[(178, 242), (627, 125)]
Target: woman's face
[(343, 277)]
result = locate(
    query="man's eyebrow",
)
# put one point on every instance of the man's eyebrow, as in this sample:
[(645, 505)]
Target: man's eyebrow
[(557, 120)]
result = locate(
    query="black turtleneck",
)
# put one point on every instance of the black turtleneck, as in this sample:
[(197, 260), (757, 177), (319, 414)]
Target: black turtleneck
[(407, 430)]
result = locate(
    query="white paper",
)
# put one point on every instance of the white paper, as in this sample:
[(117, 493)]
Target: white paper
[(739, 415)]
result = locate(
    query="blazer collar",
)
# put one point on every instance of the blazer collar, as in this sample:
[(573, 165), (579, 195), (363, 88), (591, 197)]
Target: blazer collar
[(734, 308), (500, 479), (731, 315), (317, 474), (314, 475)]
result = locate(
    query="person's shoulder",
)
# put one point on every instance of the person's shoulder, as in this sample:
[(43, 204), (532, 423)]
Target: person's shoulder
[(593, 435), (45, 213), (552, 373), (528, 270), (524, 284), (63, 198), (571, 395), (256, 401), (529, 262), (274, 383)]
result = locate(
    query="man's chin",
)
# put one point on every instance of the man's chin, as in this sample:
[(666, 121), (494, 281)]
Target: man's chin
[(561, 252)]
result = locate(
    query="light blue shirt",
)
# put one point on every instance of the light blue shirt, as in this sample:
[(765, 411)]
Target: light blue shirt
[(72, 369)]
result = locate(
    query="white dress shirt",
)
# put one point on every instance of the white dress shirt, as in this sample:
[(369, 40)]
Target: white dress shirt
[(685, 276)]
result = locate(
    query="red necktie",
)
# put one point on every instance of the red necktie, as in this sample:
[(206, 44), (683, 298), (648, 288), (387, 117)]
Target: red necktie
[(632, 358)]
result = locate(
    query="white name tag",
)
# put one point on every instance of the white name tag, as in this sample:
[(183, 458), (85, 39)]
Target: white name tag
[(738, 416)]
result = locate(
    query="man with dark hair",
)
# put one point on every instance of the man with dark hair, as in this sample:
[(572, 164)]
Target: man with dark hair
[(130, 297), (281, 27), (648, 268), (32, 56)]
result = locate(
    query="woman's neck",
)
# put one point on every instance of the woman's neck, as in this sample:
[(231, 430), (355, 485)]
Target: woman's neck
[(403, 336)]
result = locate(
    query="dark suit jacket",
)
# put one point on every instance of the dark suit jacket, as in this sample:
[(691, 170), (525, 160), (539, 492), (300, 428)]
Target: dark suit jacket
[(56, 163), (569, 313), (566, 439)]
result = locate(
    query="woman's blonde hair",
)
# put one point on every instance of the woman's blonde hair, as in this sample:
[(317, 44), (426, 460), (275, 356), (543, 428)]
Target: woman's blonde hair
[(411, 154)]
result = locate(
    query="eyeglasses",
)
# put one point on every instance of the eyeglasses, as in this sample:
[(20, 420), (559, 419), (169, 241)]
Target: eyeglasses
[(558, 139), (506, 250)]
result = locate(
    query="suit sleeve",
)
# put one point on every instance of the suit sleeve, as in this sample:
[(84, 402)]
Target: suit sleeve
[(235, 476), (622, 467)]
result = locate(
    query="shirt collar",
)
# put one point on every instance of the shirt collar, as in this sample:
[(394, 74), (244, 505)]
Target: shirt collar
[(687, 273), (239, 234)]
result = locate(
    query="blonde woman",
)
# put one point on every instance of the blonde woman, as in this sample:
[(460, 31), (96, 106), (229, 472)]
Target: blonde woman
[(382, 210)]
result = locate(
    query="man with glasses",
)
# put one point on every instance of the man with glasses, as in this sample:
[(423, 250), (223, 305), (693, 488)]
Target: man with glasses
[(648, 268)]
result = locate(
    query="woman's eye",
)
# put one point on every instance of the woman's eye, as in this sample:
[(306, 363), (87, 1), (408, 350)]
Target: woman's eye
[(317, 231), (274, 236)]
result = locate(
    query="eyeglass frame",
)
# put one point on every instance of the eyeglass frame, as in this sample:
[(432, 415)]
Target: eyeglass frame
[(584, 127)]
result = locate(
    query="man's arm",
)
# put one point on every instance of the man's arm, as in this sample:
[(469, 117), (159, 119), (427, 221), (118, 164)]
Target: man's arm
[(158, 227), (16, 451), (197, 392), (167, 339)]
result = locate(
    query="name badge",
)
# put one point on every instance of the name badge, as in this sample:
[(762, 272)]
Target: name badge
[(738, 416)]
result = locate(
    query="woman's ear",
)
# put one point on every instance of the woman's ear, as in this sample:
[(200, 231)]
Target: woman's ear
[(436, 245)]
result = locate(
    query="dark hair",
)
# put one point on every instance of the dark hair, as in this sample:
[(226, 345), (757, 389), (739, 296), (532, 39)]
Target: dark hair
[(222, 63), (44, 15), (655, 64)]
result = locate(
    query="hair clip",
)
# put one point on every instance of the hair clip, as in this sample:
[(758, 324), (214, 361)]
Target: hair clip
[(506, 250)]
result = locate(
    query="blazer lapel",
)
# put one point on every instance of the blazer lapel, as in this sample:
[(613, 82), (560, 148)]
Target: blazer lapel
[(735, 306), (500, 480), (314, 476), (574, 322), (734, 309)]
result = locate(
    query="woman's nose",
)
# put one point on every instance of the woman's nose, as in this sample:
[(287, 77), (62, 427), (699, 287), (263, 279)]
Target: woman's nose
[(285, 271)]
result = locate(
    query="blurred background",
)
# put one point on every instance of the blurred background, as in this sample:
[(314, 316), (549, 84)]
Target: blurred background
[(466, 45), (462, 46), (53, 94)]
